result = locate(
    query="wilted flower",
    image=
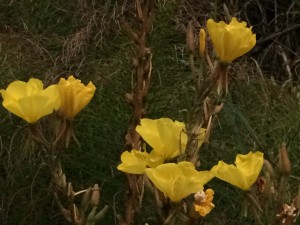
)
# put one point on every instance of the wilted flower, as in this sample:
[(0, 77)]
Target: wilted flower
[(74, 96), (245, 171), (230, 40), (29, 100), (177, 181), (203, 202), (167, 137)]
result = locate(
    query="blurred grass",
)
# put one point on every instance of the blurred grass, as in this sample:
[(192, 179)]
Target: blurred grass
[(48, 39)]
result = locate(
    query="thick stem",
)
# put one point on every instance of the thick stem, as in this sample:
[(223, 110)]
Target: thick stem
[(142, 73), (197, 118)]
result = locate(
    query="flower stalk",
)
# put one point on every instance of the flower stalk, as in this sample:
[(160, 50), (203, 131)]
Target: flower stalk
[(142, 64)]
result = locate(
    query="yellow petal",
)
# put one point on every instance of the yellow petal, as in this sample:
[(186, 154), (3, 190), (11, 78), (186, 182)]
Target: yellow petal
[(148, 130), (34, 86), (230, 174), (154, 159), (245, 171), (15, 90), (52, 94), (33, 108), (251, 165), (177, 181), (133, 162)]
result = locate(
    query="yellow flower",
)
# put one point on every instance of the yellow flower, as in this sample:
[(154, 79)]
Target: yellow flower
[(245, 171), (74, 96), (29, 100), (134, 162), (177, 181), (203, 202), (230, 40), (167, 137)]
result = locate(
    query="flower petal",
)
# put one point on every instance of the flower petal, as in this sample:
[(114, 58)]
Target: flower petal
[(148, 129), (133, 162)]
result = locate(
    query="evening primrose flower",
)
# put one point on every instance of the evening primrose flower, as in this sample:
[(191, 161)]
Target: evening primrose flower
[(167, 137), (135, 162), (177, 181), (230, 40), (245, 171), (203, 202), (74, 96), (29, 100)]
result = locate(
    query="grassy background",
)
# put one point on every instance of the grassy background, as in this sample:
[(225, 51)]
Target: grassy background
[(46, 39)]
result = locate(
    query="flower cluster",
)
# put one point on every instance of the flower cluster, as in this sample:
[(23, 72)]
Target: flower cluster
[(31, 101), (168, 140), (178, 180)]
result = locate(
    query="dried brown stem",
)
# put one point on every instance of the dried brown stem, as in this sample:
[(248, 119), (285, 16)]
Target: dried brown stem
[(142, 73), (201, 106)]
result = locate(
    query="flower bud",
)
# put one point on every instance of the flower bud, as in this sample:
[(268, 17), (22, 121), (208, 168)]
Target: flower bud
[(268, 169), (266, 183), (284, 164), (95, 195), (202, 42), (190, 38)]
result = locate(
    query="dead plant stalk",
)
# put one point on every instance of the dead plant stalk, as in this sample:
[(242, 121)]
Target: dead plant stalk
[(142, 73)]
